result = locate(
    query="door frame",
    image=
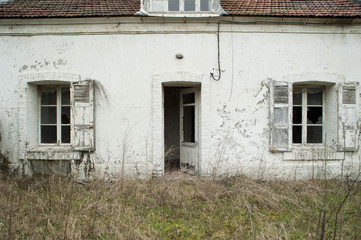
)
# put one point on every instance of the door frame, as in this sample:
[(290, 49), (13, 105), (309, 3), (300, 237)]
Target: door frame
[(189, 150), (179, 79)]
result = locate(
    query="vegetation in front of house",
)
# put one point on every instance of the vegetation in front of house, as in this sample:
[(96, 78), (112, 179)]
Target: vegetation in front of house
[(179, 208)]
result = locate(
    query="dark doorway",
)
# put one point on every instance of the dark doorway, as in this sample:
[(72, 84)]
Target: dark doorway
[(171, 128)]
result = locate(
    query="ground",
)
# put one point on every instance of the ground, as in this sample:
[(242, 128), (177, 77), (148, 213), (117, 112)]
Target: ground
[(178, 206)]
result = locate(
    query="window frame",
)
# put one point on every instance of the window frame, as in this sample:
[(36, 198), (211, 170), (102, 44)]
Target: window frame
[(59, 124), (181, 7), (191, 130), (304, 106)]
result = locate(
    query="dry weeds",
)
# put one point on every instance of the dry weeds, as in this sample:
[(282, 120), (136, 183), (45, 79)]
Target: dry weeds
[(175, 208)]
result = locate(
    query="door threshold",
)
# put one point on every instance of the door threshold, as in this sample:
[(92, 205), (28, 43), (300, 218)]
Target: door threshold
[(186, 168)]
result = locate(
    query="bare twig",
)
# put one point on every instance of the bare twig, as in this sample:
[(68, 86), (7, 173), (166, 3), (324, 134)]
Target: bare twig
[(342, 203)]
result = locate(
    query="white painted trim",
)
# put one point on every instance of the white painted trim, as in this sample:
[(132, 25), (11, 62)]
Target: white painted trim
[(314, 78), (48, 77), (317, 153), (165, 24), (305, 21)]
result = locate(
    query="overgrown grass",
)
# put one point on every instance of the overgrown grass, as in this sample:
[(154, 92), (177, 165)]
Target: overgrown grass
[(177, 208)]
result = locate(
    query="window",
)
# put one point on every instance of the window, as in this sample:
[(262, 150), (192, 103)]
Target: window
[(297, 115), (189, 117), (65, 114), (55, 115), (307, 115), (181, 5)]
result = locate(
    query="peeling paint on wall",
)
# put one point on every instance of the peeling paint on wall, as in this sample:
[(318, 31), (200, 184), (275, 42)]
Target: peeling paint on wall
[(234, 124), (39, 65)]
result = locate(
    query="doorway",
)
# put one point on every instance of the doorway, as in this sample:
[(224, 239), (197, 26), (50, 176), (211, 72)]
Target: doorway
[(181, 128)]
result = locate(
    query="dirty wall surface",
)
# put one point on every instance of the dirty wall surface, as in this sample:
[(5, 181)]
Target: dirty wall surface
[(129, 63)]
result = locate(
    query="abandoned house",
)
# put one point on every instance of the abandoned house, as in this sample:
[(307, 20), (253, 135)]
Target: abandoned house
[(266, 88)]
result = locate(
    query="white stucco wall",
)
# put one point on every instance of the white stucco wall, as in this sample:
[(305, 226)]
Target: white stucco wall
[(129, 62)]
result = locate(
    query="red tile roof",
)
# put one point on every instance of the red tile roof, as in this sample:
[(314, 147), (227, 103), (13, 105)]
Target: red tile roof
[(296, 8), (105, 8), (68, 8)]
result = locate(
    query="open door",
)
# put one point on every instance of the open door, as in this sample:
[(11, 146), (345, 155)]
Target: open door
[(189, 129)]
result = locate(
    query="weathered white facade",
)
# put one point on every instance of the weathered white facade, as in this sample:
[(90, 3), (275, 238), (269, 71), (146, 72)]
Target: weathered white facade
[(135, 99)]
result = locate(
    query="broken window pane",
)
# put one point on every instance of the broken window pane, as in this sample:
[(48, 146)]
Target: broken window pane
[(188, 98), (314, 115), (189, 124), (65, 115), (48, 97), (55, 114), (205, 5), (65, 134), (314, 134), (48, 115), (297, 115), (297, 134), (158, 5), (189, 5), (65, 96), (297, 96), (48, 134), (173, 5), (307, 115), (314, 96)]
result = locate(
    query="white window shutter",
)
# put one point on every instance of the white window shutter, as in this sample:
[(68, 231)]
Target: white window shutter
[(82, 121), (281, 116), (347, 115)]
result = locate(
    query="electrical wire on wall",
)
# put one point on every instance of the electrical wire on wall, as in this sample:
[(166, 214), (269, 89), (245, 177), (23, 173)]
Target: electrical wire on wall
[(219, 61), (249, 23)]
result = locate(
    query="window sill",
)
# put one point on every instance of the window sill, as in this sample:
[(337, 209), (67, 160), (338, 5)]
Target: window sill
[(313, 152), (49, 152)]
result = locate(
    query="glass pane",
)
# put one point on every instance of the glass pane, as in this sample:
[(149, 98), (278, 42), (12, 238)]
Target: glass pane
[(48, 134), (173, 5), (205, 5), (65, 134), (188, 124), (297, 96), (48, 115), (158, 6), (65, 115), (314, 96), (314, 134), (314, 115), (188, 98), (189, 5), (65, 96), (297, 134), (48, 96), (297, 115)]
